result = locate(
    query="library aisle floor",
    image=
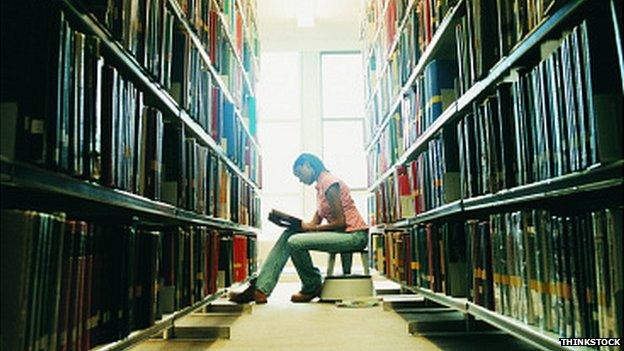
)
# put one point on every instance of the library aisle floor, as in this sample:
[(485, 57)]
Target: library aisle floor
[(282, 325)]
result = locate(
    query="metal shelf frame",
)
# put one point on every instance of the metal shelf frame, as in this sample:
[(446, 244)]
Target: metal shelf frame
[(30, 177), (599, 177)]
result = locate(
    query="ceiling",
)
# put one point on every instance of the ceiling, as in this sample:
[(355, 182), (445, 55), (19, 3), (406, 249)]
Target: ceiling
[(337, 25)]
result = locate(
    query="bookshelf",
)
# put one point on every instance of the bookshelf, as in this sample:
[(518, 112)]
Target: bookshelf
[(439, 39), (419, 167), (602, 178), (18, 177), (232, 43), (226, 207)]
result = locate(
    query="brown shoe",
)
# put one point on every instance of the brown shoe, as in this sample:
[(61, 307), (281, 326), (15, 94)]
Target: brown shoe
[(259, 297), (244, 296), (301, 297), (249, 295)]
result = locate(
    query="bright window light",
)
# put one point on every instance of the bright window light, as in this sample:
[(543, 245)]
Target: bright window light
[(305, 13)]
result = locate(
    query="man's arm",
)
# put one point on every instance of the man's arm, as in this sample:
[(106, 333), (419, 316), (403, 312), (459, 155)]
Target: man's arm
[(335, 203)]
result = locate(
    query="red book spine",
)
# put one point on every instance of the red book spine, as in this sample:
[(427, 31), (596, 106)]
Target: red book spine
[(413, 171), (390, 24), (214, 260), (239, 34), (213, 37), (240, 258), (427, 15), (388, 254)]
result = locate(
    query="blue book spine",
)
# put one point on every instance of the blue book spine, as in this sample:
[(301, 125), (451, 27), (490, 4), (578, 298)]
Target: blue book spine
[(440, 76), (229, 135)]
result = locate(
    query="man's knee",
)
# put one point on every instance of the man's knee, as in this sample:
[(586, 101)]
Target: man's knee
[(287, 233), (295, 243)]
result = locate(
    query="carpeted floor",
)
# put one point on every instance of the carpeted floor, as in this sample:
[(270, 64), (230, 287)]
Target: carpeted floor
[(282, 325)]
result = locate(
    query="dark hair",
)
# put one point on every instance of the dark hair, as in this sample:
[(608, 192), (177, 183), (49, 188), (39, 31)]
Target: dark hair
[(314, 162)]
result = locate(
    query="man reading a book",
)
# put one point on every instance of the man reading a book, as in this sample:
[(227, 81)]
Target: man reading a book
[(337, 226)]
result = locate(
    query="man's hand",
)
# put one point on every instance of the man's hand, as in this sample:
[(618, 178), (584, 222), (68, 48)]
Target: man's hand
[(308, 227)]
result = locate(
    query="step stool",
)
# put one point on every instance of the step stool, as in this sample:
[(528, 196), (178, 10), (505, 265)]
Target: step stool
[(347, 285)]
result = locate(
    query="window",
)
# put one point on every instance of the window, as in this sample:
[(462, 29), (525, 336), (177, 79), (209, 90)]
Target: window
[(279, 87), (281, 144), (279, 133), (343, 151), (343, 122), (342, 83)]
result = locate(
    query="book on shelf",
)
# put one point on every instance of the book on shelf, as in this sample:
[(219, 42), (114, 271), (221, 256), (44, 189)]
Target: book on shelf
[(427, 181), (558, 125), (92, 121), (557, 272), (285, 220), (80, 284), (427, 256), (549, 270)]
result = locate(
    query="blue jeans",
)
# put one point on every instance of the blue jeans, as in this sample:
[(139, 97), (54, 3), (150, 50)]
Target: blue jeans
[(297, 245)]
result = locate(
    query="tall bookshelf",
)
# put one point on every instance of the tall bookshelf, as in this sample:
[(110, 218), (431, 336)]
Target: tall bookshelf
[(456, 150), (129, 126)]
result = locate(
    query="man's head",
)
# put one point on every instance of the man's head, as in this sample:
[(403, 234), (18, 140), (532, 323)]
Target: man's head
[(307, 168)]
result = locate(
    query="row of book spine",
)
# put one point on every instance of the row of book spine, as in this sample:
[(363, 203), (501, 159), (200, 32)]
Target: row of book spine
[(77, 284), (565, 270), (491, 29), (427, 256), (424, 102), (227, 38), (485, 34), (143, 28), (196, 179), (195, 89), (75, 84), (547, 121), (559, 273), (94, 124), (429, 181), (204, 15), (541, 121), (407, 29)]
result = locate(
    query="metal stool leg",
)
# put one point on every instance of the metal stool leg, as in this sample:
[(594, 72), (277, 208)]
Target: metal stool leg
[(364, 257), (345, 259), (330, 264)]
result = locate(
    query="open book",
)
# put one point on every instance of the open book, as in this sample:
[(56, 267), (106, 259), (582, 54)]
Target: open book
[(285, 220)]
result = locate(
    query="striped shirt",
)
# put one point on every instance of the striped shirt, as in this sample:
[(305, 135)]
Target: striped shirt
[(353, 219)]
